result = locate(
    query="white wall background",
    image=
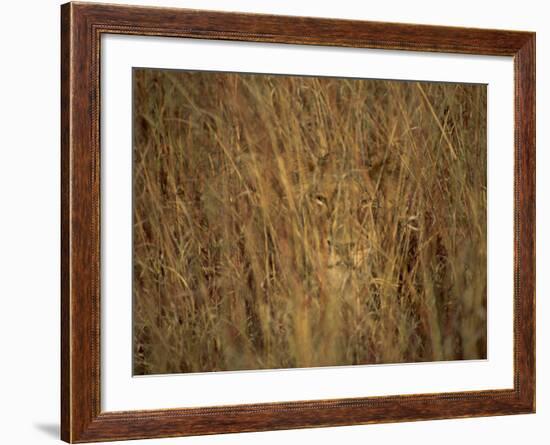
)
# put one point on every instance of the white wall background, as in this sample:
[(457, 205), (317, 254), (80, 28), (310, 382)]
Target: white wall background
[(29, 219)]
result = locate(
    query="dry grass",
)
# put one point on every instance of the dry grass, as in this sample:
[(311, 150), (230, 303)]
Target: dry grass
[(284, 221)]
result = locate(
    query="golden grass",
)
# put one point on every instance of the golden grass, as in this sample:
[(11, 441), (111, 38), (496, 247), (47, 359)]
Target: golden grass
[(284, 221)]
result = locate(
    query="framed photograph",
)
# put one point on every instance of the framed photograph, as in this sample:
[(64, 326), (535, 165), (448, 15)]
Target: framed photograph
[(274, 222)]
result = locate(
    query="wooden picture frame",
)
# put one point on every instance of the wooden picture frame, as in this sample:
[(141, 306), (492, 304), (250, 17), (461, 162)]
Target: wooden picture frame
[(82, 25)]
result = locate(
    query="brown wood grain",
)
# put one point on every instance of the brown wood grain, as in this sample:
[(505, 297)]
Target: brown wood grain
[(81, 28)]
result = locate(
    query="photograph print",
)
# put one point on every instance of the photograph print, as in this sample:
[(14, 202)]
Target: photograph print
[(284, 221)]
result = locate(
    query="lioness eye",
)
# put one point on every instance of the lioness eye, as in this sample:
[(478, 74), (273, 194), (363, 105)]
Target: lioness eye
[(321, 200)]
